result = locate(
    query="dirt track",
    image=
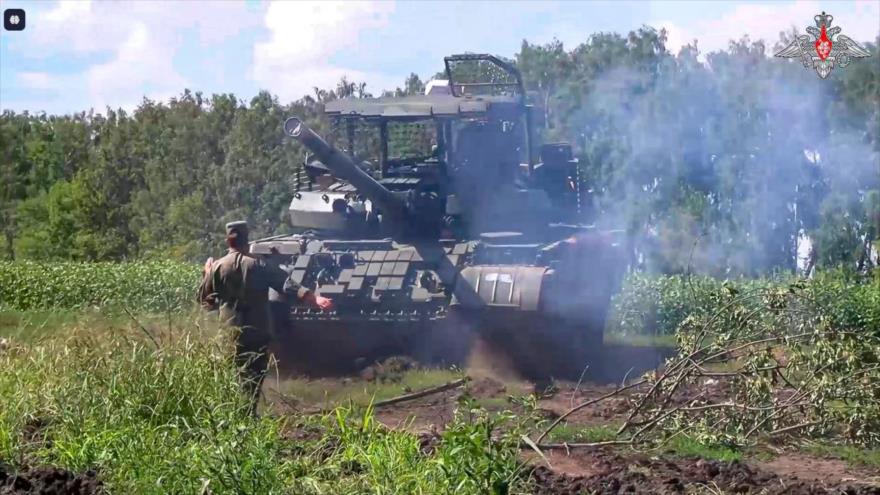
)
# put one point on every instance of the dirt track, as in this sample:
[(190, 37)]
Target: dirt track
[(611, 473), (609, 470)]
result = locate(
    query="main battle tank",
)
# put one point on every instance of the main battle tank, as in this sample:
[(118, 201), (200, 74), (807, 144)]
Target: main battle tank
[(422, 253)]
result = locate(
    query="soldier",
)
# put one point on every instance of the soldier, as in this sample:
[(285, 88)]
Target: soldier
[(238, 285)]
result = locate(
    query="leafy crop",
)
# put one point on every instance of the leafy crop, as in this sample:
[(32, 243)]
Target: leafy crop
[(141, 286), (650, 304)]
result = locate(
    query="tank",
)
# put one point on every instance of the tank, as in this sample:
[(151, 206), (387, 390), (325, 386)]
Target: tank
[(452, 229)]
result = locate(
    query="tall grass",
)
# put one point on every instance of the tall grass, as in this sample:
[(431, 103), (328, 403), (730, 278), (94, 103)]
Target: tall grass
[(477, 454), (167, 420), (171, 419)]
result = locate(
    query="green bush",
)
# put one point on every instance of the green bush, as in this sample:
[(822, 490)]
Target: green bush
[(139, 286), (657, 304), (800, 356)]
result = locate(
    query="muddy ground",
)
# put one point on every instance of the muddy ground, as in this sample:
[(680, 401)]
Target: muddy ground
[(608, 469), (49, 480)]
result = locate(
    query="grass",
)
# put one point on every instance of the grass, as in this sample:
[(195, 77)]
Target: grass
[(575, 433), (171, 419), (687, 446), (334, 392), (32, 325), (848, 453), (35, 325), (166, 420)]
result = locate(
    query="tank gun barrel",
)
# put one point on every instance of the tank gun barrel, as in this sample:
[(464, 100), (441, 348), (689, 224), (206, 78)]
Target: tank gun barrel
[(344, 168)]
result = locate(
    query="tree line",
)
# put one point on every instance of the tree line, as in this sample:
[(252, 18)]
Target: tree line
[(729, 162)]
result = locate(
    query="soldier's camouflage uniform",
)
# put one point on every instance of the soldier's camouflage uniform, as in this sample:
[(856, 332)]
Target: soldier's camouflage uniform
[(238, 286)]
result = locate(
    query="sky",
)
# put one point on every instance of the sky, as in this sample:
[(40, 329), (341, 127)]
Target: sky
[(81, 54)]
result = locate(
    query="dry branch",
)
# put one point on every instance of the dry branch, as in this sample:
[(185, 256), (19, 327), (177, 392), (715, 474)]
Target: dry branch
[(576, 445), (587, 404), (422, 393)]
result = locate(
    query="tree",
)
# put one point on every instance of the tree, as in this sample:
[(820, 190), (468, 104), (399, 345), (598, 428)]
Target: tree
[(722, 163)]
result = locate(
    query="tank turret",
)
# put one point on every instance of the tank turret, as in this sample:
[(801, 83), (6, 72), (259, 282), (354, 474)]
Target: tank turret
[(344, 168)]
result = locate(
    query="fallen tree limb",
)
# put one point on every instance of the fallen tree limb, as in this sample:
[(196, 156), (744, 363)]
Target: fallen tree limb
[(586, 404), (422, 393), (793, 428), (576, 445), (387, 402)]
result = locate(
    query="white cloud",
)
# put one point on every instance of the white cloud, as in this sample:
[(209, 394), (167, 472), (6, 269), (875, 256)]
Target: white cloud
[(303, 38), (86, 26), (133, 45), (766, 21), (113, 53), (140, 61), (36, 80)]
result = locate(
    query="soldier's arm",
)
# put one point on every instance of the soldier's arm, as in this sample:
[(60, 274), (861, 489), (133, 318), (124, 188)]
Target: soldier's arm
[(290, 287), (304, 294), (279, 280), (207, 295)]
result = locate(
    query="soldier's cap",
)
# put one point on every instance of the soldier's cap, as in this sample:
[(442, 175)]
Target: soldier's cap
[(239, 227)]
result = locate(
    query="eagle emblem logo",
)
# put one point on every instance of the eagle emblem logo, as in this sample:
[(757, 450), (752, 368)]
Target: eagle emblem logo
[(820, 49)]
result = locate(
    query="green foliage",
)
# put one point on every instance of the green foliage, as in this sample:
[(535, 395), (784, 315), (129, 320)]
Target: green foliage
[(655, 305), (792, 356), (53, 225), (138, 286), (658, 304), (172, 420), (688, 156), (477, 453), (683, 151), (167, 420), (688, 446)]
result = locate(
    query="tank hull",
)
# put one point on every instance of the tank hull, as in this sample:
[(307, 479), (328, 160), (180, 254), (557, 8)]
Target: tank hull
[(534, 347)]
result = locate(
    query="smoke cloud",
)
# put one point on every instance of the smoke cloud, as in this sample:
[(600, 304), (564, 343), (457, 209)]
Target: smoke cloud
[(727, 166)]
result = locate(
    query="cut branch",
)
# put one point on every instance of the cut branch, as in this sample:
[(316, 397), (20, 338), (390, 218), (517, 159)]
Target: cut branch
[(422, 393), (586, 404)]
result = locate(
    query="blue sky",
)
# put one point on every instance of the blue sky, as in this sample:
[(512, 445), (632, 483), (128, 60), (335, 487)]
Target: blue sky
[(89, 54)]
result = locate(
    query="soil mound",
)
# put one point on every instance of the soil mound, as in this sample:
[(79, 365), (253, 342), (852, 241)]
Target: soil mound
[(391, 370), (643, 475), (49, 481)]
